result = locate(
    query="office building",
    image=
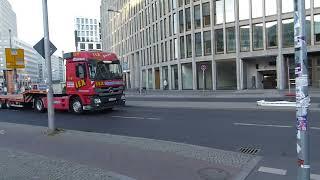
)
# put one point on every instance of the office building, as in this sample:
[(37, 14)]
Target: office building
[(87, 34), (237, 44)]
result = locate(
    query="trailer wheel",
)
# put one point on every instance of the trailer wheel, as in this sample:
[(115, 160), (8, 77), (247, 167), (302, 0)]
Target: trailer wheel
[(39, 106), (76, 106), (8, 106)]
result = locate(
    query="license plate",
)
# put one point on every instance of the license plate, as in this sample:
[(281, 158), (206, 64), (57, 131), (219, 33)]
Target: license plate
[(112, 99)]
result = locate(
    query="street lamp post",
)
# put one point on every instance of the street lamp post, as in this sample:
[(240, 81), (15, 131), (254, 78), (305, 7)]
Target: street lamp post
[(302, 96)]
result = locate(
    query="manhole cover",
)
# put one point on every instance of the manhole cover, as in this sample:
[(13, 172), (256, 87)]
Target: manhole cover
[(213, 174), (249, 150)]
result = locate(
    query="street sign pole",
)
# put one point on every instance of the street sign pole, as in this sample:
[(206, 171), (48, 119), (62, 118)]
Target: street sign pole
[(203, 79), (302, 96), (48, 60)]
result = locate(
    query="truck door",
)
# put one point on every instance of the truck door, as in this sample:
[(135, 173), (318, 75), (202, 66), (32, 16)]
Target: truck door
[(81, 75)]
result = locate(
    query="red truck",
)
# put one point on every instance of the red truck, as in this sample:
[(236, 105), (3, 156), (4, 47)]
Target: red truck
[(93, 82)]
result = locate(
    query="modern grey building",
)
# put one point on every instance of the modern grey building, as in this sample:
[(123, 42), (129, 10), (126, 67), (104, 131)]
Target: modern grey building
[(238, 44), (87, 34)]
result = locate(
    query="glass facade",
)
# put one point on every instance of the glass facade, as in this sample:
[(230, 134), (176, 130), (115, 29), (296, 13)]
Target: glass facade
[(287, 32), (229, 10), (198, 44), (197, 18), (188, 19), (272, 34), (257, 8), (271, 7), (219, 41), (258, 36), (182, 48), (189, 46), (181, 21), (317, 28), (244, 9), (287, 6), (207, 43), (231, 40), (219, 18), (206, 14), (244, 38)]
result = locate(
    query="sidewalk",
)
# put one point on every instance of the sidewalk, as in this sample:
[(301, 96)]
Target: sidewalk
[(254, 93), (27, 153), (214, 105)]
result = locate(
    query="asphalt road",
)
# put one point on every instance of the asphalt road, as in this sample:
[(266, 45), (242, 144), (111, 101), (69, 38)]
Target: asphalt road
[(272, 132)]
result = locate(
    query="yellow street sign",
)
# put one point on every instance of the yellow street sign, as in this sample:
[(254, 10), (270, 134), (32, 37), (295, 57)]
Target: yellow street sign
[(15, 58)]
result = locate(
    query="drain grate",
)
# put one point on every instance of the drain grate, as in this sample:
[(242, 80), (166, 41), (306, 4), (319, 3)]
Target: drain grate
[(249, 150)]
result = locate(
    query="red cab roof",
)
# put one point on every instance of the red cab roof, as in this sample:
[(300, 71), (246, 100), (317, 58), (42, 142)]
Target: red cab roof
[(103, 56)]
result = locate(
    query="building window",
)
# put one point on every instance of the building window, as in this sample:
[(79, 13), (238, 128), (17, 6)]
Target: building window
[(182, 48), (229, 9), (82, 46), (219, 12), (98, 46), (189, 46), (181, 21), (175, 49), (219, 41), (206, 14), (307, 4), (171, 49), (207, 43), (90, 46), (257, 6), (174, 4), (271, 7), (258, 36), (244, 9), (175, 23), (288, 32), (287, 6), (180, 3), (231, 40), (272, 37), (170, 25), (317, 28), (188, 19), (187, 2), (244, 38), (198, 44), (197, 19), (308, 29), (316, 3)]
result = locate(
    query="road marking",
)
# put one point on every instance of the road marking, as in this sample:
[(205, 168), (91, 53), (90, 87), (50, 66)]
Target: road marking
[(133, 117), (262, 125), (272, 170), (315, 176), (2, 132), (269, 125)]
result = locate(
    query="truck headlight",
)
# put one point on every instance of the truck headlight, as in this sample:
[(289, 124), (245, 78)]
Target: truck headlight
[(97, 101)]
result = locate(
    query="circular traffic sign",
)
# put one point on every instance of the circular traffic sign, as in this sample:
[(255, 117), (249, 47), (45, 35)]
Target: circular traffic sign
[(203, 67)]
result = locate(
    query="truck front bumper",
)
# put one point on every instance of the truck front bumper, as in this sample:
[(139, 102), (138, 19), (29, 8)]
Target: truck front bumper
[(105, 103)]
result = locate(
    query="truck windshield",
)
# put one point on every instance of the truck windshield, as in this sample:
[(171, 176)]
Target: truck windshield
[(104, 70)]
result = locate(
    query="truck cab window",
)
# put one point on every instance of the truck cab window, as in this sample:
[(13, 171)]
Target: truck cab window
[(81, 72)]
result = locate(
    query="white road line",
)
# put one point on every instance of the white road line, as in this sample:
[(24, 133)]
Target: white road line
[(315, 177), (272, 170), (133, 117), (262, 125), (315, 128)]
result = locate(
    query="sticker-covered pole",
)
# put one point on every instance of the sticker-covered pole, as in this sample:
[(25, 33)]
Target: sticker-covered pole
[(302, 96), (48, 60)]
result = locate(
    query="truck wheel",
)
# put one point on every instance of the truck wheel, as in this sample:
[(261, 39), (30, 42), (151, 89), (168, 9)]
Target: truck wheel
[(2, 105), (76, 106), (39, 106)]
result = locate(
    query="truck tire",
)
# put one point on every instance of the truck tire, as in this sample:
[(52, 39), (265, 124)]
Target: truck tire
[(2, 105), (39, 106), (76, 106)]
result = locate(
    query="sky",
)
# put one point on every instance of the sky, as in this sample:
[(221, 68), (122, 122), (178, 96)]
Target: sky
[(61, 20)]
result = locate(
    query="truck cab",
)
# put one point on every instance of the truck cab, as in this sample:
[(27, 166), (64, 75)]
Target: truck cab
[(93, 81)]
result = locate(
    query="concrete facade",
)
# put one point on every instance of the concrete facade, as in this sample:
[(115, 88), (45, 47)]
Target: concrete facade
[(240, 44)]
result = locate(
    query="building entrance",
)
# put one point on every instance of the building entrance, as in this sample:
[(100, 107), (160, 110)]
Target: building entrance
[(268, 79)]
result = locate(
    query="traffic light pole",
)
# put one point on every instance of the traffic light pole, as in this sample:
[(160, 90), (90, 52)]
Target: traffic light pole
[(51, 123), (302, 96)]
